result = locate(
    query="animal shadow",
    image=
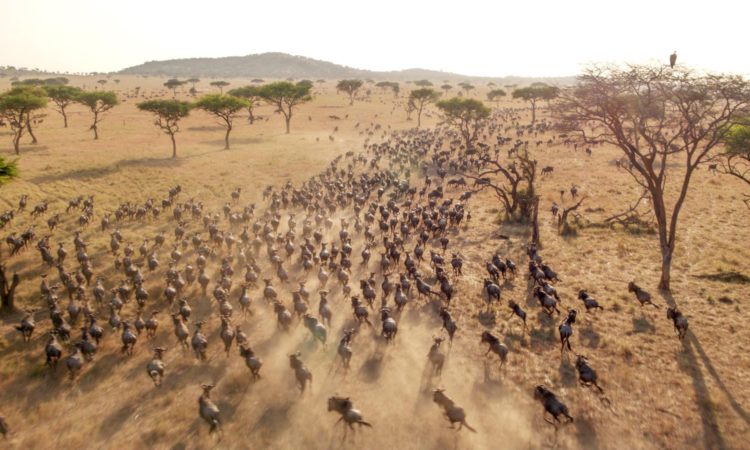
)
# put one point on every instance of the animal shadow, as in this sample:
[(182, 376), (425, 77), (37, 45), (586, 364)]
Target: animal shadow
[(643, 325), (567, 373), (372, 368)]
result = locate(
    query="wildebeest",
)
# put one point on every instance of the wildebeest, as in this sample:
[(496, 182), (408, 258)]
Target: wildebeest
[(350, 416), (453, 412), (552, 404)]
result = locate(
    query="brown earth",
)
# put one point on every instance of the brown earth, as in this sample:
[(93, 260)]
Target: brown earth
[(664, 393)]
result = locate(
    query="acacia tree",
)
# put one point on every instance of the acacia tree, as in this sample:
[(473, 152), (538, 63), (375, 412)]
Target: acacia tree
[(735, 159), (285, 96), (62, 96), (466, 87), (467, 115), (168, 114), (446, 87), (421, 98), (16, 107), (41, 83), (534, 93), (223, 107), (350, 87), (665, 121), (392, 85), (220, 84), (98, 102), (495, 95), (423, 83), (172, 85), (410, 107), (252, 95)]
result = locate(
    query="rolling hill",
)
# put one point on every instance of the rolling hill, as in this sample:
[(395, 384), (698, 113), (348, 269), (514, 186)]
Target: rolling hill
[(282, 65)]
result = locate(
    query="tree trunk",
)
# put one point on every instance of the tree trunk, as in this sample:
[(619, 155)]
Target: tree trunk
[(7, 292), (535, 224), (419, 118), (174, 145), (288, 120), (533, 113), (17, 142), (31, 132), (226, 138), (666, 267), (65, 117)]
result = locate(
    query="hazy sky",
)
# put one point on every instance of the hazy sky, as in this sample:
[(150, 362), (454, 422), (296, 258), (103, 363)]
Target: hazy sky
[(490, 37)]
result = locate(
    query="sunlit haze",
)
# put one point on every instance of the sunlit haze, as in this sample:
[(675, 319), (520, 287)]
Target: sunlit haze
[(541, 38)]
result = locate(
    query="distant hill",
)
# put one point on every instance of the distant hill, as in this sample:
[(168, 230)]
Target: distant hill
[(282, 65)]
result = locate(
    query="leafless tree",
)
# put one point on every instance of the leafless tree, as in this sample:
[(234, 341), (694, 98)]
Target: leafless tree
[(562, 223), (512, 183), (660, 118)]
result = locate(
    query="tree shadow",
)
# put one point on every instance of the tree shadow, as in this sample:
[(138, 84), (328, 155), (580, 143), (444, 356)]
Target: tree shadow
[(27, 148), (233, 141), (712, 370), (712, 437), (207, 128), (103, 171)]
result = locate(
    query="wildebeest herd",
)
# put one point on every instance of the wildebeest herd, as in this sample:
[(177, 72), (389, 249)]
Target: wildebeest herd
[(393, 201)]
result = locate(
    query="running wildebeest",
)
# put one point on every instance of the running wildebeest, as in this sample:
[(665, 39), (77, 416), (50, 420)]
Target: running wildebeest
[(453, 412), (552, 405), (350, 416)]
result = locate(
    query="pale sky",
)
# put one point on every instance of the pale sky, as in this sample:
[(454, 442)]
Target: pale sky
[(472, 37)]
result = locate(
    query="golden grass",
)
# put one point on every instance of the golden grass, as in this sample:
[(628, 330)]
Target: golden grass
[(665, 394)]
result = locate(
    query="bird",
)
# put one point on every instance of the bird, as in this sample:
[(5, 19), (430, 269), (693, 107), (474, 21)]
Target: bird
[(672, 59)]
